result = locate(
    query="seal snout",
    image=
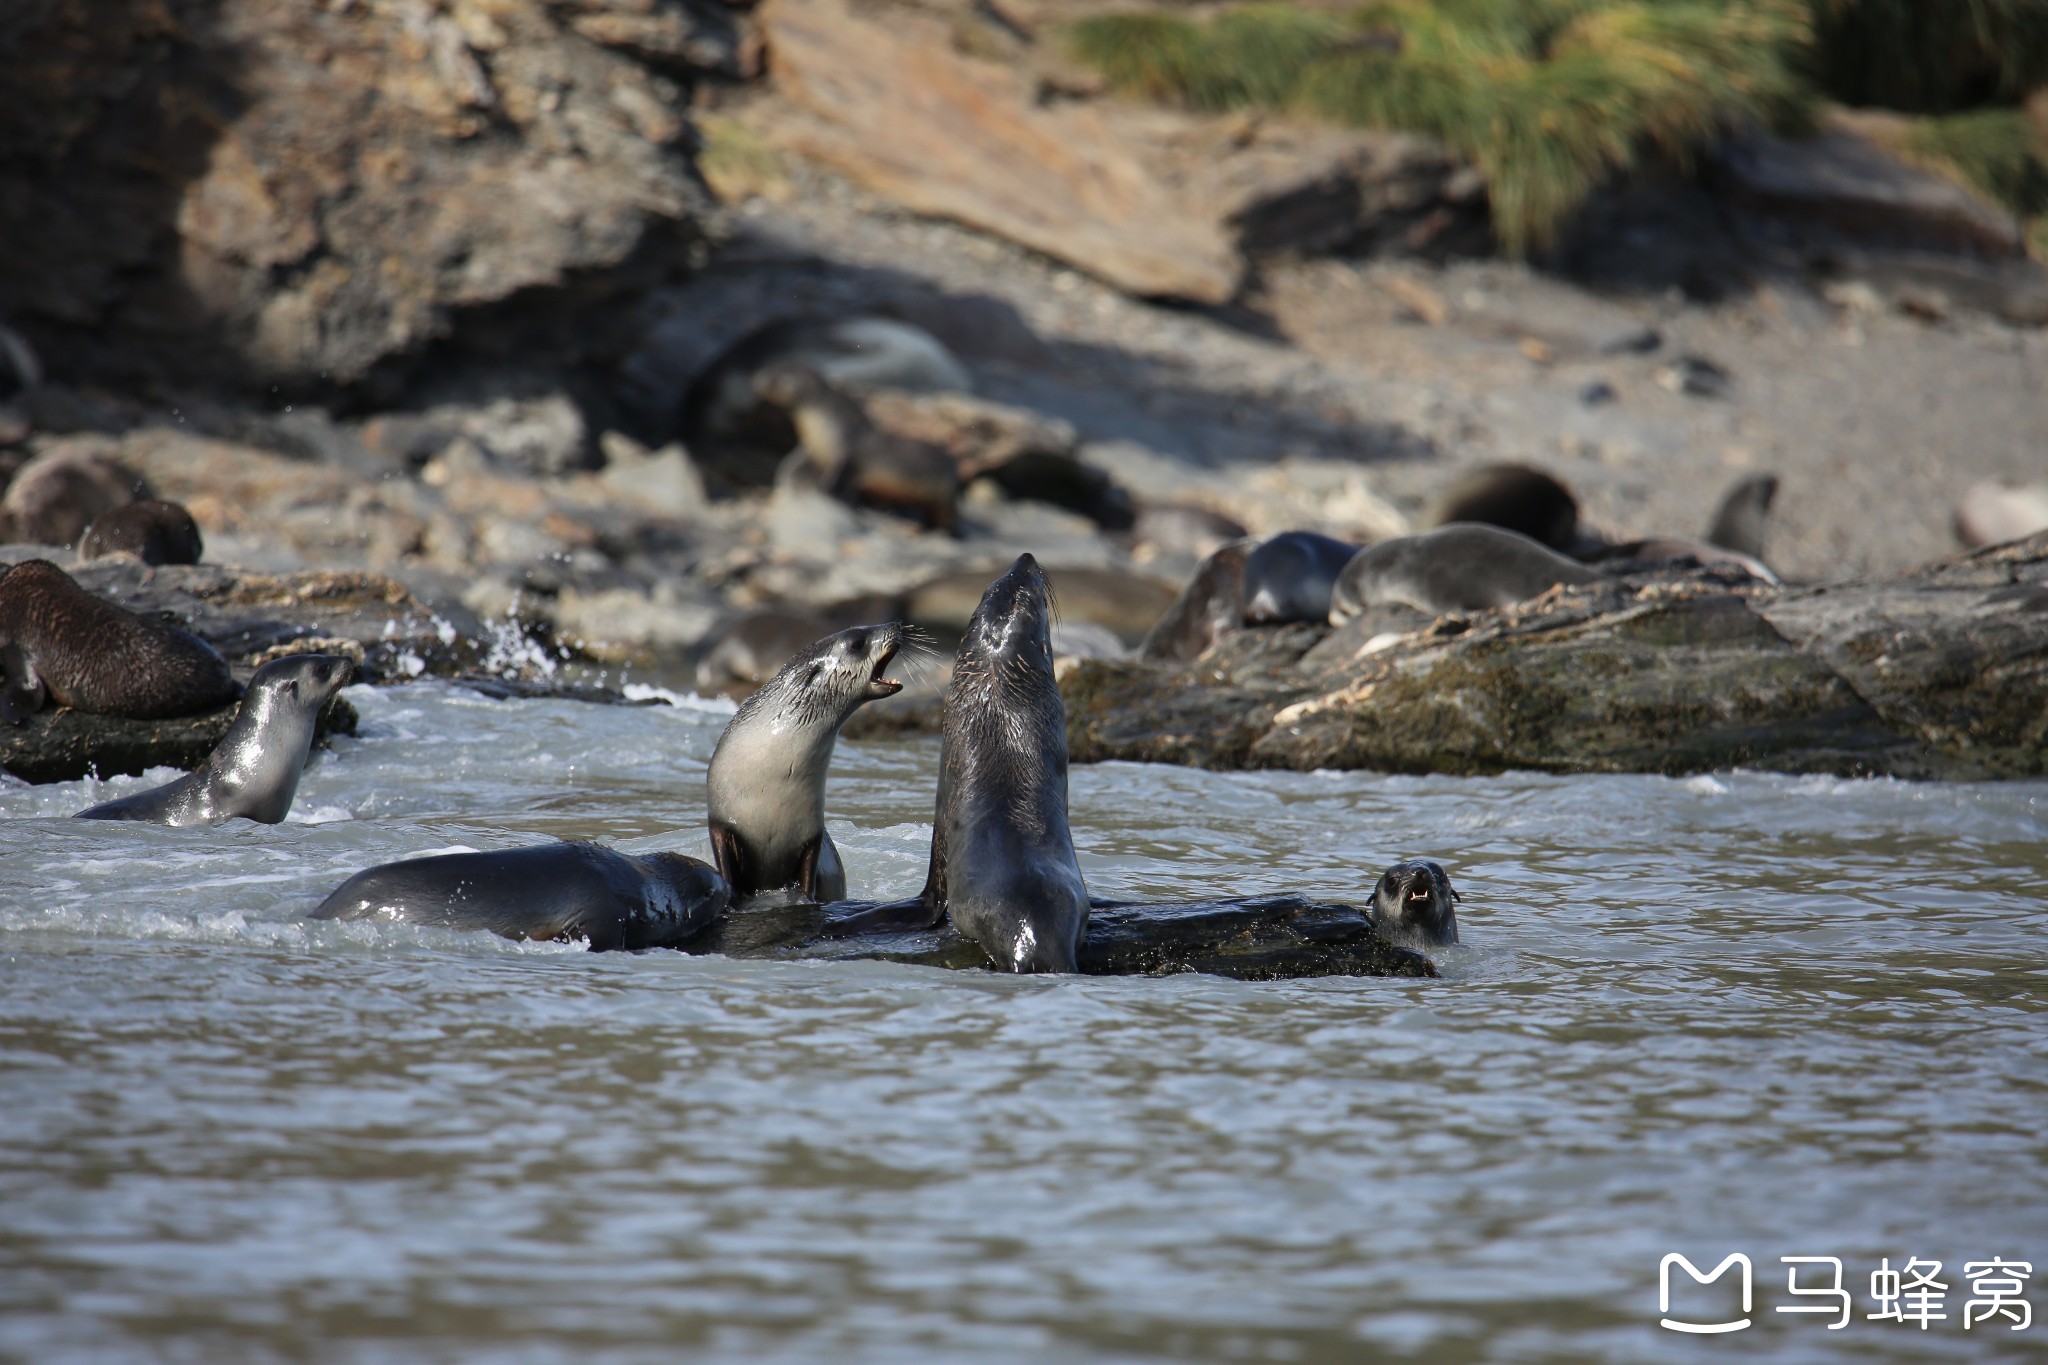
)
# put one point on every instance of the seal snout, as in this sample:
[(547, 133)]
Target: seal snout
[(1416, 898), (879, 686)]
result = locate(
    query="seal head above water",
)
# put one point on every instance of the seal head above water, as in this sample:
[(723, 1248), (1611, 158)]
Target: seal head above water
[(1415, 902), (767, 781), (254, 771)]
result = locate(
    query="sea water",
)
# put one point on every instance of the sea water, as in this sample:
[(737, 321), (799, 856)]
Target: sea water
[(1739, 1013)]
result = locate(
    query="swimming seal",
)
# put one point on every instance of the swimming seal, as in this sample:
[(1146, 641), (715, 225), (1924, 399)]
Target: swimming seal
[(1290, 576), (1466, 566), (1516, 497), (766, 787), (1415, 902), (254, 771), (154, 531), (609, 899), (59, 642), (1003, 865)]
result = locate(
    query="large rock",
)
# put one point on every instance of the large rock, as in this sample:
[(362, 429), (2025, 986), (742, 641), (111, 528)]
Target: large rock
[(291, 192), (886, 98), (1942, 673)]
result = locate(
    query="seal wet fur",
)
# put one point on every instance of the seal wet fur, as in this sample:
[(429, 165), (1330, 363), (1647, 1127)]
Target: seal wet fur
[(1003, 865), (1415, 902), (609, 899), (254, 771), (60, 643), (766, 786)]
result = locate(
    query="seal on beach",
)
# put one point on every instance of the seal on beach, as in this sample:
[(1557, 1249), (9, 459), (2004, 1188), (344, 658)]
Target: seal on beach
[(254, 771), (766, 787), (840, 451), (1003, 865), (60, 643), (154, 531), (611, 900), (1289, 577), (728, 424), (1415, 902), (1516, 497), (1466, 566)]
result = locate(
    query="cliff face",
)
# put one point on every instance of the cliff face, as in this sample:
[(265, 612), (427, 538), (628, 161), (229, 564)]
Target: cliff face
[(272, 193)]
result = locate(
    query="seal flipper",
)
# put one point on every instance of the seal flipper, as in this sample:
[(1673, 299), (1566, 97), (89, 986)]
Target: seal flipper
[(729, 856), (21, 688)]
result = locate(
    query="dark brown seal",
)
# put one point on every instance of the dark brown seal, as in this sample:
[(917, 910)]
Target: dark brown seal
[(154, 531), (1517, 497), (59, 642), (1208, 608), (1289, 577)]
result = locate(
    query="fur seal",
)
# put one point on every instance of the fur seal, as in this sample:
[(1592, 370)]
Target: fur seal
[(254, 771), (725, 421), (1289, 577), (60, 493), (58, 641), (1466, 566), (766, 787), (1517, 497), (583, 891), (1208, 608), (1415, 901), (153, 531), (842, 452), (1740, 521), (1003, 865)]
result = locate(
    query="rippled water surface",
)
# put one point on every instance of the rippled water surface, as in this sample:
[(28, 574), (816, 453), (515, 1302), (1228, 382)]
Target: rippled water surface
[(1747, 1013)]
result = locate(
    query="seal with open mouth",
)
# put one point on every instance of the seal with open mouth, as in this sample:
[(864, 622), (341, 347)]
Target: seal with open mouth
[(1415, 901), (767, 778)]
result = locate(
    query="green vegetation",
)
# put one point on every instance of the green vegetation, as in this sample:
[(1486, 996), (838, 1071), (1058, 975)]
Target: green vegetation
[(1549, 98)]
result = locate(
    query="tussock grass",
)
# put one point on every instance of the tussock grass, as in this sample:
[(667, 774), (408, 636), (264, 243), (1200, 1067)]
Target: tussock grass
[(1548, 98)]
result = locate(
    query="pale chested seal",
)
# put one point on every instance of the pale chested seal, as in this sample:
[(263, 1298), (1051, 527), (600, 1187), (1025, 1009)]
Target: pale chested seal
[(1414, 902), (254, 771), (1462, 567), (1003, 867), (60, 643), (766, 787), (1289, 577), (842, 452), (154, 531), (611, 900)]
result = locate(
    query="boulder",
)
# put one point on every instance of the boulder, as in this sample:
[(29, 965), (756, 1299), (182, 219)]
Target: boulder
[(258, 193)]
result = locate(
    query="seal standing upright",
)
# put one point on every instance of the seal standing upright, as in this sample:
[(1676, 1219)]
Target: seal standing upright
[(555, 891), (766, 786), (254, 771), (1003, 865), (59, 641)]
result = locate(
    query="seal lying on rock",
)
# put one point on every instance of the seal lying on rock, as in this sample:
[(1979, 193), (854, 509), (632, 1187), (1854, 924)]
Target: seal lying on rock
[(1289, 577), (555, 891), (842, 452), (58, 641), (1466, 566), (154, 531), (767, 780), (1209, 607), (254, 772), (1003, 865), (1415, 902)]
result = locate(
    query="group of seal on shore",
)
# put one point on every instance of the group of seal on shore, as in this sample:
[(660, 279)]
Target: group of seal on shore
[(1501, 535)]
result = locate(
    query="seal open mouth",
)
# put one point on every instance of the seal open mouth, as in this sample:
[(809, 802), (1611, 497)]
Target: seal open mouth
[(879, 686)]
